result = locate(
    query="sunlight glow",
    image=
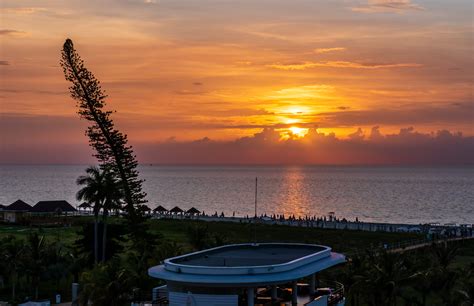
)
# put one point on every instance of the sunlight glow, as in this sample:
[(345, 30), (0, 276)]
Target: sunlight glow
[(298, 132)]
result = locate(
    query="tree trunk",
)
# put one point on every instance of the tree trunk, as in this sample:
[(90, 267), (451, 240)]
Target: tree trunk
[(104, 236), (13, 287), (96, 240)]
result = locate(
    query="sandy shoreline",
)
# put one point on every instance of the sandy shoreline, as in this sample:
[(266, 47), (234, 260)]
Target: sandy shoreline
[(464, 230)]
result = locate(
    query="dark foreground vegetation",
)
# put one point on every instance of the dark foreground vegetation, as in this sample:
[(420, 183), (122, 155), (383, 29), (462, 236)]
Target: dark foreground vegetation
[(39, 263)]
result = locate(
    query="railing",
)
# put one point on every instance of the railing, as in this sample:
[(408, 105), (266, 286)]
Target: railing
[(337, 294), (406, 245), (413, 244), (145, 298)]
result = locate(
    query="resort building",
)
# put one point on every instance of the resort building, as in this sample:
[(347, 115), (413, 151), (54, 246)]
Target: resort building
[(250, 274), (49, 207), (15, 212), (21, 212)]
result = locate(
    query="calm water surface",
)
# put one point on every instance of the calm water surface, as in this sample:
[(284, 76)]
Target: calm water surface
[(385, 194)]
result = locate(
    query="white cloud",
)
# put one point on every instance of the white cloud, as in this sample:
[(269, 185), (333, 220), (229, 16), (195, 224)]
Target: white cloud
[(327, 50), (377, 6)]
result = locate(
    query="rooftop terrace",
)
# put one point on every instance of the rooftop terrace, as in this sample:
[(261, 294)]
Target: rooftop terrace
[(248, 255), (247, 264)]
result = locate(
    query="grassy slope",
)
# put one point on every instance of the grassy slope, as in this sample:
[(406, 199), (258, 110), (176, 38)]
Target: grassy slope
[(344, 241), (339, 240), (176, 230)]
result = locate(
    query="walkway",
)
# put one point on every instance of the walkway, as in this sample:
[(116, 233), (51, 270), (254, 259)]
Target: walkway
[(407, 246)]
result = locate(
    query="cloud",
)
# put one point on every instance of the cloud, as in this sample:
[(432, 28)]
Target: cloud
[(376, 6), (33, 91), (243, 63), (460, 113), (342, 64), (300, 93), (12, 33), (327, 50), (186, 92), (239, 112), (21, 10), (56, 139), (4, 63), (357, 135), (407, 147)]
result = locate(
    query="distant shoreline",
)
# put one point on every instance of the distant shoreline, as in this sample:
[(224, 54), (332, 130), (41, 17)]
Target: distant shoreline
[(340, 224), (260, 165), (461, 230)]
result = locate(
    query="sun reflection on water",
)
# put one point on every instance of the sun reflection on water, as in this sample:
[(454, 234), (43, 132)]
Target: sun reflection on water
[(292, 191)]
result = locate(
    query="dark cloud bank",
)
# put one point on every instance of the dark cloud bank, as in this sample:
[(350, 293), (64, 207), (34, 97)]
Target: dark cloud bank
[(407, 147), (61, 140)]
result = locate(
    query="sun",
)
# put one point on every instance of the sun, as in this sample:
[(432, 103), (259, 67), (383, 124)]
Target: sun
[(298, 132)]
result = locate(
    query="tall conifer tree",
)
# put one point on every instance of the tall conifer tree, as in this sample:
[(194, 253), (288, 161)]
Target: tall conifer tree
[(110, 145)]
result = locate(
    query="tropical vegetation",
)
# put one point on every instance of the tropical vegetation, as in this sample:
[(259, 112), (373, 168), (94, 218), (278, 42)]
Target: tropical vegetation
[(39, 263)]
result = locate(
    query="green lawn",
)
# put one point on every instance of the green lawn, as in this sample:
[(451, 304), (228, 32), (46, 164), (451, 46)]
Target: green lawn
[(339, 240), (465, 255), (176, 230), (345, 241), (65, 234)]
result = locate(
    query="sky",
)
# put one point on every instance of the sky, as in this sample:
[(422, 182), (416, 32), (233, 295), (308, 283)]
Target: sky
[(244, 82)]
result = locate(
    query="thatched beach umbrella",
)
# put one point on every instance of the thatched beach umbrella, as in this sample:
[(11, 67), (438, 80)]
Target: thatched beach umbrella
[(193, 211), (84, 206), (160, 209), (176, 210), (145, 209)]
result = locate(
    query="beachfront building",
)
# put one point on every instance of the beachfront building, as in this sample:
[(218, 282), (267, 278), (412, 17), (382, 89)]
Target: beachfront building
[(15, 212), (249, 274), (53, 207), (21, 212)]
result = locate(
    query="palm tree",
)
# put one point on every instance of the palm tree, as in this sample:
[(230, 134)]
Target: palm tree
[(167, 249), (112, 201), (382, 279), (466, 286), (198, 236), (423, 284), (445, 253), (101, 190), (12, 253), (36, 259), (352, 278), (105, 285), (92, 193)]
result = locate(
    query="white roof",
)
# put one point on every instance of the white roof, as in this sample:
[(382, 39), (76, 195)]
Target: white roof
[(247, 264)]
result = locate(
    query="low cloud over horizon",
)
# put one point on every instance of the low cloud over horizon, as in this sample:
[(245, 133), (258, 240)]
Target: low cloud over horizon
[(407, 147), (267, 147)]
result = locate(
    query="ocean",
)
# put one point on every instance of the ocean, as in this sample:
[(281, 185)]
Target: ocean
[(376, 194)]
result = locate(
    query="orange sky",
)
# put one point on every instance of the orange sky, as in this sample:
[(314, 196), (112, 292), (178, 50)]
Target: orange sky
[(178, 71)]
